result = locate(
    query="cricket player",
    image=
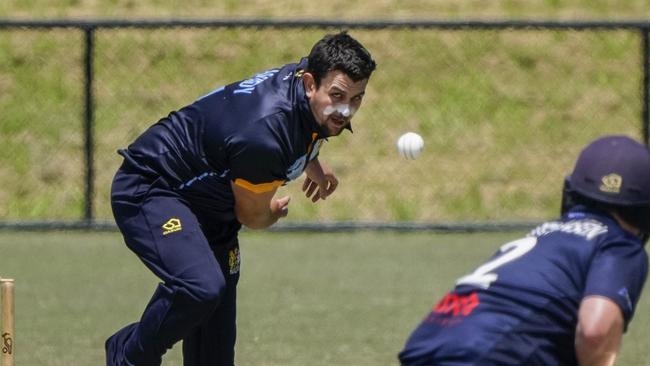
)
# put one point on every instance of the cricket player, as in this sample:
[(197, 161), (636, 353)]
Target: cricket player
[(190, 181), (565, 293)]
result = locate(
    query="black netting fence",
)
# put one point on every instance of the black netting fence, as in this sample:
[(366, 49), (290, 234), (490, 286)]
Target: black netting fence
[(503, 109)]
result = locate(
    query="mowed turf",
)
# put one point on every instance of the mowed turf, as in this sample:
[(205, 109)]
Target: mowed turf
[(304, 299)]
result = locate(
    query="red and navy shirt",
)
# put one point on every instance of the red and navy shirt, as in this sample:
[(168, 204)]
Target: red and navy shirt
[(521, 306), (259, 133)]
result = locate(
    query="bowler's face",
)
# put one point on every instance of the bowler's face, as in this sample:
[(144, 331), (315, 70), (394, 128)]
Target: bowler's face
[(335, 100)]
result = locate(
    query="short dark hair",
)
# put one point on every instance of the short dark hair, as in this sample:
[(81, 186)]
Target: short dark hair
[(340, 52)]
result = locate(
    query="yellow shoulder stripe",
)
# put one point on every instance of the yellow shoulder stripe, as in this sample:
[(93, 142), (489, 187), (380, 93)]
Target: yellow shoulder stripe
[(311, 144), (258, 188)]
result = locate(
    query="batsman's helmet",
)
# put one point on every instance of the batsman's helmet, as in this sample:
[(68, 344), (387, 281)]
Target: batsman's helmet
[(612, 172)]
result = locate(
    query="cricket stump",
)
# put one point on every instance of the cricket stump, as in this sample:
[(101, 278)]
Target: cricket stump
[(7, 322)]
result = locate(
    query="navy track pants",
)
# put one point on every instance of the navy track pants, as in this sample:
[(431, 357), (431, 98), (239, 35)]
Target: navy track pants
[(196, 300)]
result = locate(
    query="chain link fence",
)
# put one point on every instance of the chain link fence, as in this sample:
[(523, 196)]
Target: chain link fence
[(503, 111)]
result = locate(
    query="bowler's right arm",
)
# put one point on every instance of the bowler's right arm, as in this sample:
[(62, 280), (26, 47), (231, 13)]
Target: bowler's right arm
[(256, 208)]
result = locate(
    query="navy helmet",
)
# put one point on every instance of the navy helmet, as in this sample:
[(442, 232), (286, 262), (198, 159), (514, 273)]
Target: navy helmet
[(613, 172)]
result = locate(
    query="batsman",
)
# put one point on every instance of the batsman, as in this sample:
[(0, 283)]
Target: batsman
[(565, 293), (190, 181)]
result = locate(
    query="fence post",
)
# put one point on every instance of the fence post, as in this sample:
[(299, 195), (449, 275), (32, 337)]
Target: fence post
[(88, 123), (645, 64)]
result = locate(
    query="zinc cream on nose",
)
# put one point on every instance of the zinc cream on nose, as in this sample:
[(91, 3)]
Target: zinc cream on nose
[(344, 109)]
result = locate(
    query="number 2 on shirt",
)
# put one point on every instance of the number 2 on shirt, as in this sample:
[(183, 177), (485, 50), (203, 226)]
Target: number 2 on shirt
[(483, 276)]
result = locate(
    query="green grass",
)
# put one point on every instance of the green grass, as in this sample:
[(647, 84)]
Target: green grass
[(304, 299), (502, 113), (563, 9)]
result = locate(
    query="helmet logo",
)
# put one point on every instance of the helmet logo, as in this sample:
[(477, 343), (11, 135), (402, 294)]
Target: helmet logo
[(611, 183)]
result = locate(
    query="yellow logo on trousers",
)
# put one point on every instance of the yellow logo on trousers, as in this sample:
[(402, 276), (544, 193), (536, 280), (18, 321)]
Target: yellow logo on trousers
[(172, 225), (233, 260)]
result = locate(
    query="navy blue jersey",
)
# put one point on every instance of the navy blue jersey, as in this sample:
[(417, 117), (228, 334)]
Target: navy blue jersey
[(521, 306), (258, 133)]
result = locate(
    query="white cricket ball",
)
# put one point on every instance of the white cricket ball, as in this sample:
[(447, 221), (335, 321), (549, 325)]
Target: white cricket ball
[(410, 145)]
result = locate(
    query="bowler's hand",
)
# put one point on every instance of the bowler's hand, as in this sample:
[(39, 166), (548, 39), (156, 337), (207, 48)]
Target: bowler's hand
[(280, 206), (320, 181)]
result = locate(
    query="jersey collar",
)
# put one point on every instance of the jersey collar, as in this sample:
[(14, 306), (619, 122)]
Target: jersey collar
[(581, 211), (304, 111)]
